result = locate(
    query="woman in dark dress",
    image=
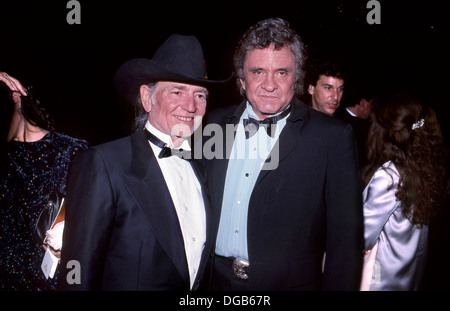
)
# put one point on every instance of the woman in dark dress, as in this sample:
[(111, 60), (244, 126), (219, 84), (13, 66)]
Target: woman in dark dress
[(35, 163)]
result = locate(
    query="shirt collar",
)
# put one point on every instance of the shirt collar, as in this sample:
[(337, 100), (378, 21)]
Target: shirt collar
[(351, 113), (249, 112), (166, 138)]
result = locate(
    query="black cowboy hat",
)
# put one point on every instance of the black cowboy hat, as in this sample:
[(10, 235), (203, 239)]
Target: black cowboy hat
[(178, 59)]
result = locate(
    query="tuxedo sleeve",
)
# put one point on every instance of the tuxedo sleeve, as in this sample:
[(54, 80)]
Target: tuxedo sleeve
[(345, 236), (88, 222)]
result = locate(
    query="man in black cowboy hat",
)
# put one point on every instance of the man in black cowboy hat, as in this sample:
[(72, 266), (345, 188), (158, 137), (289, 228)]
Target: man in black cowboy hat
[(136, 215)]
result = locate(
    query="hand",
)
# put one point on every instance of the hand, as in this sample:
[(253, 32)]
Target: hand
[(13, 84)]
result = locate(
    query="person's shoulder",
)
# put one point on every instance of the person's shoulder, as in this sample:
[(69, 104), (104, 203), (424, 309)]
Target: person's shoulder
[(115, 145), (216, 115), (324, 119), (67, 141), (108, 151), (390, 168)]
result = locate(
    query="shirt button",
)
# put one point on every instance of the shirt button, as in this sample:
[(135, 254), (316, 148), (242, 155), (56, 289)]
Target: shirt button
[(238, 202), (194, 239), (247, 174), (236, 231)]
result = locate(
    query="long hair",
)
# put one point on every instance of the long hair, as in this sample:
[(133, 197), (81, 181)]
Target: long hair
[(31, 109), (408, 134), (274, 31), (34, 112), (140, 115)]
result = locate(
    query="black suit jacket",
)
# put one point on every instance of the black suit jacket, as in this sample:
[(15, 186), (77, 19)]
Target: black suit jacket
[(121, 224), (310, 204), (360, 128)]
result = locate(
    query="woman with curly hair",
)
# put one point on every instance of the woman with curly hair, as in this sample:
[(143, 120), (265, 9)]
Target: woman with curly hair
[(35, 164), (406, 184)]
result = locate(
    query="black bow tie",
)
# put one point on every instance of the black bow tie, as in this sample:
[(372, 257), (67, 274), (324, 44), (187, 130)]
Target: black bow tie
[(251, 125), (166, 151)]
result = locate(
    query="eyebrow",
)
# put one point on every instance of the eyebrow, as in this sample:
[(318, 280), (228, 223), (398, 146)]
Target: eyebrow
[(330, 85), (253, 69), (184, 88)]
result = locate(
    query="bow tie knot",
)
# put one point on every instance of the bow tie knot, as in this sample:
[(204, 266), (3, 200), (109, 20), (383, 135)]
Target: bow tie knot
[(251, 126), (165, 150)]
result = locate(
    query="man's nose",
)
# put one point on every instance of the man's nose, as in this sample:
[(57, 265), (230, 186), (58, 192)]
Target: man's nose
[(189, 104), (269, 84), (334, 94)]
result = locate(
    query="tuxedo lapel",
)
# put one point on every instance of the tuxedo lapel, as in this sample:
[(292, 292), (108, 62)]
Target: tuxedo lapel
[(219, 169), (148, 188), (289, 139)]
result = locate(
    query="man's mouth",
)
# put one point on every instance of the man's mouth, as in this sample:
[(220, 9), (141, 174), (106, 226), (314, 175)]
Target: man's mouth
[(186, 119), (333, 104)]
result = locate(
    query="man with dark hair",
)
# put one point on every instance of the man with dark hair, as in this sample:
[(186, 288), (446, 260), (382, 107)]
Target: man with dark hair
[(288, 190), (356, 110), (325, 84)]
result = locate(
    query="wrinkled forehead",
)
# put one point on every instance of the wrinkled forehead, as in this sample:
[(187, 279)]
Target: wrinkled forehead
[(270, 55)]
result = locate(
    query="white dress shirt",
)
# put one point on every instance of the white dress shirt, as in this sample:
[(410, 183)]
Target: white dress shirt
[(187, 198)]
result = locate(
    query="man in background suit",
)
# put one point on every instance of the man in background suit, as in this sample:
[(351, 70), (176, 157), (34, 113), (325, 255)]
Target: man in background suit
[(325, 81), (356, 111), (286, 191), (136, 216)]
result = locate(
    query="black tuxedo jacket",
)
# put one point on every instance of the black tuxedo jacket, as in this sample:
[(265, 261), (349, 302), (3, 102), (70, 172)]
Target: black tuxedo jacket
[(310, 204), (121, 224), (360, 128)]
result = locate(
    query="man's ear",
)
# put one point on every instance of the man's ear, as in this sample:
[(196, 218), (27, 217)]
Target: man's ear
[(311, 89), (363, 103), (242, 84), (145, 93)]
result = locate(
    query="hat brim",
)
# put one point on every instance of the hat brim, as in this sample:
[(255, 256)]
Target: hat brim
[(140, 71)]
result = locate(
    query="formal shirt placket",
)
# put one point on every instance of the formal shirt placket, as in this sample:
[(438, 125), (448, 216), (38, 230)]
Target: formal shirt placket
[(186, 193), (246, 160)]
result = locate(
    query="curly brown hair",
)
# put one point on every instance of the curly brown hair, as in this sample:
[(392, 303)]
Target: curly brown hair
[(418, 152)]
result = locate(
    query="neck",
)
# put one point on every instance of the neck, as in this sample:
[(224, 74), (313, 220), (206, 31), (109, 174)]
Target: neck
[(28, 133)]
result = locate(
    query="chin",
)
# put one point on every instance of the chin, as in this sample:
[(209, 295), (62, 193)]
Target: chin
[(182, 130)]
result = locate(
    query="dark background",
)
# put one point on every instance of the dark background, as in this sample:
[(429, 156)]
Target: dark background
[(72, 66)]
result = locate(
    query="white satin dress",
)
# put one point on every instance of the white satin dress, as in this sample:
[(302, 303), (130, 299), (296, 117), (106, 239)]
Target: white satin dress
[(402, 246)]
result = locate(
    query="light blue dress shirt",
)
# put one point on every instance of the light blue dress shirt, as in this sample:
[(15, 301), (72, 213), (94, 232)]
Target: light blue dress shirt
[(246, 160)]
